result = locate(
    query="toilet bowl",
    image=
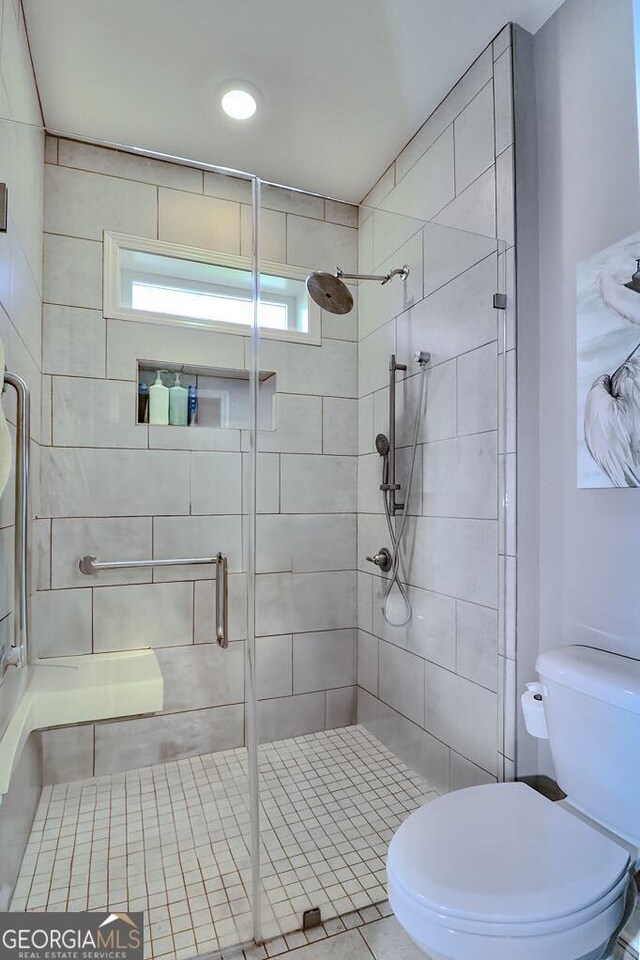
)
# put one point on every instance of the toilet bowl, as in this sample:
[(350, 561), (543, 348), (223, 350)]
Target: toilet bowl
[(498, 872)]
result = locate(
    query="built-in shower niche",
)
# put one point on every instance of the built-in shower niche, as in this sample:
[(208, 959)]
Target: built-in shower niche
[(222, 395)]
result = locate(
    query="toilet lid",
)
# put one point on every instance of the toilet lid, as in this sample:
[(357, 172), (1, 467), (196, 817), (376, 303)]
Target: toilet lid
[(502, 853)]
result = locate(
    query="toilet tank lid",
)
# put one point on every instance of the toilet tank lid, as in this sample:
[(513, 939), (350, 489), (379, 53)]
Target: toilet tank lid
[(597, 673)]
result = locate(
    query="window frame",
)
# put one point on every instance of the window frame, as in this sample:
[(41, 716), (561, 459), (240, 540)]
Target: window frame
[(113, 308)]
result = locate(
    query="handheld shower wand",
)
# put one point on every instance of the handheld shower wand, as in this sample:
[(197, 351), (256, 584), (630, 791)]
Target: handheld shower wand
[(389, 561)]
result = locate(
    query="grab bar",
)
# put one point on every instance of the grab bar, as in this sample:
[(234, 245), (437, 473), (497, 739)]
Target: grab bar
[(89, 565), (221, 602), (20, 653)]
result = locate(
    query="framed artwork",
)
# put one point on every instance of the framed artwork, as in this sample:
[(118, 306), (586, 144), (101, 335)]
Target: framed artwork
[(608, 375)]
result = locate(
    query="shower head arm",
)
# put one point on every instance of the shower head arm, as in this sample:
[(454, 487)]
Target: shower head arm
[(402, 272)]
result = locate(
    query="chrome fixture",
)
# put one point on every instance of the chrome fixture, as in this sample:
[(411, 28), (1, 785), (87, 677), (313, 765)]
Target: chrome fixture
[(89, 565), (391, 487), (382, 559), (19, 654), (634, 283), (330, 292), (389, 560), (3, 208), (221, 601)]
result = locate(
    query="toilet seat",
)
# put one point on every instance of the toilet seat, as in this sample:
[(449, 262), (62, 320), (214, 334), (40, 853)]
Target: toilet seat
[(500, 865)]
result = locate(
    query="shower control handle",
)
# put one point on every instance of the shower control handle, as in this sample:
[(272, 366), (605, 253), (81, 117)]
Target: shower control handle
[(382, 559)]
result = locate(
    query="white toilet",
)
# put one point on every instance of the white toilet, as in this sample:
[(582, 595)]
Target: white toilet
[(499, 872)]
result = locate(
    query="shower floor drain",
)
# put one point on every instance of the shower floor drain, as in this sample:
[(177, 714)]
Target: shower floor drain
[(311, 918)]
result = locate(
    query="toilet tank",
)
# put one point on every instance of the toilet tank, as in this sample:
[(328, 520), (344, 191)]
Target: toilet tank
[(592, 709)]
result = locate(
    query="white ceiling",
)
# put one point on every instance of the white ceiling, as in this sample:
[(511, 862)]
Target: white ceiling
[(344, 83)]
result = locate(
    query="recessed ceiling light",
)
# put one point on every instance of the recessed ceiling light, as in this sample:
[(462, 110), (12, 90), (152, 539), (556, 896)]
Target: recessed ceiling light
[(239, 100)]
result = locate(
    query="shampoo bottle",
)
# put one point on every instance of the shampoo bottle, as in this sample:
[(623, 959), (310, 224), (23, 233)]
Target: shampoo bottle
[(178, 404), (193, 405), (158, 401), (143, 402)]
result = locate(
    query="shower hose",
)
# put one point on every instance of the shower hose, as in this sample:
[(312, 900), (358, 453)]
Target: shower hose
[(397, 533)]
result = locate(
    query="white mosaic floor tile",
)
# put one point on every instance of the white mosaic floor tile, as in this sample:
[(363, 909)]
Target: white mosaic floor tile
[(173, 840)]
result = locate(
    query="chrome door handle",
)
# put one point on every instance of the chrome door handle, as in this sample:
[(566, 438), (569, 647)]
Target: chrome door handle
[(221, 601)]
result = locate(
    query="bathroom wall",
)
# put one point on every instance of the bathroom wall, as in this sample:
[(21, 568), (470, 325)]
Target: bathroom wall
[(588, 198), (121, 490), (440, 692), (21, 167)]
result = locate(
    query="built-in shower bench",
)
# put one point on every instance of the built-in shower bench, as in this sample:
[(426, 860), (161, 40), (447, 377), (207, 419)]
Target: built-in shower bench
[(62, 691)]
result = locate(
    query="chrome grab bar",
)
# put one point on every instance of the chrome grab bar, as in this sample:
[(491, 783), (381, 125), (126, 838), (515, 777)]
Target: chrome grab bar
[(20, 653), (89, 565), (221, 601)]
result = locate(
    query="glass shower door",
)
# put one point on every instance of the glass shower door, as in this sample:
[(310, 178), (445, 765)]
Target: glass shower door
[(353, 727), (148, 453)]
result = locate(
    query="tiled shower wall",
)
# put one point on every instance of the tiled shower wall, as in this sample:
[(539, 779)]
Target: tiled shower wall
[(21, 168), (440, 692), (120, 490)]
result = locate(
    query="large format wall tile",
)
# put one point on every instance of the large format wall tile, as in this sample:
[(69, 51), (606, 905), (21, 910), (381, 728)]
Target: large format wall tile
[(95, 413), (439, 544), (142, 615), (128, 744), (474, 210), (72, 272), (477, 644), (274, 666), (198, 221), (80, 204), (318, 484), (470, 730), (460, 477), (341, 707), (339, 426), (130, 341), (67, 753), (324, 660), (285, 717), (73, 341), (455, 319), (401, 682), (429, 185), (119, 163), (477, 390), (62, 622), (216, 483), (203, 675), (196, 537), (320, 246), (111, 483), (304, 543), (474, 139), (116, 538), (329, 371)]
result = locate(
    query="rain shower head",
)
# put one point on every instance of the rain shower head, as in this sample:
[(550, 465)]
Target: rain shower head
[(330, 292)]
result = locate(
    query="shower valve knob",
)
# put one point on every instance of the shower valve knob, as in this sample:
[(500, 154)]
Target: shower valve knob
[(382, 559)]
